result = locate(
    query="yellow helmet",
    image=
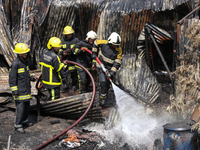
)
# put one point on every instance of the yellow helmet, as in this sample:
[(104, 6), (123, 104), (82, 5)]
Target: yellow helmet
[(54, 42), (21, 48), (68, 30)]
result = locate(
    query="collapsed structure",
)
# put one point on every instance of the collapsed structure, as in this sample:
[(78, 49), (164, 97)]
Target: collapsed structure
[(145, 59), (155, 48)]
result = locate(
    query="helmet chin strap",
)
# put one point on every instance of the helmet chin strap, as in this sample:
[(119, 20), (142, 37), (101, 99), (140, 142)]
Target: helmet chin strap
[(54, 50), (21, 56)]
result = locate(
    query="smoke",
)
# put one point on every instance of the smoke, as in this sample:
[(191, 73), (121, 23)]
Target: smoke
[(136, 126)]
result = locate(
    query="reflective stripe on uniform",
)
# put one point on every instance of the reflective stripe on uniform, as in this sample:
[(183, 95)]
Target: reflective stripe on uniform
[(24, 97), (27, 68), (79, 82), (94, 49), (46, 65), (51, 74), (82, 68), (51, 83), (20, 70), (41, 67), (114, 69), (71, 68), (71, 46), (106, 59), (76, 50), (118, 61), (14, 88), (52, 94), (61, 64), (98, 42), (64, 45)]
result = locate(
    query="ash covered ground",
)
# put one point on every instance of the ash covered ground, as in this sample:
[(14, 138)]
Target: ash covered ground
[(43, 130)]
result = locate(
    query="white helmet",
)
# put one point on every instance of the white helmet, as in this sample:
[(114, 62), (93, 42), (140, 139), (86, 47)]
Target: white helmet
[(114, 39), (91, 35)]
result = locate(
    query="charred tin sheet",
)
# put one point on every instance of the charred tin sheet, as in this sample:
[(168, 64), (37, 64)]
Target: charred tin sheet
[(34, 22), (136, 78), (6, 44)]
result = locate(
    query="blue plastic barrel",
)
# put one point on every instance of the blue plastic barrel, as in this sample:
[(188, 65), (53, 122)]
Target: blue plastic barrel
[(178, 136)]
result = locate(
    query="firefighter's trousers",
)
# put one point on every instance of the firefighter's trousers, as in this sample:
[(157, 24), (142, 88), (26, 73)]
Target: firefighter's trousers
[(54, 93), (84, 80), (104, 84), (21, 113)]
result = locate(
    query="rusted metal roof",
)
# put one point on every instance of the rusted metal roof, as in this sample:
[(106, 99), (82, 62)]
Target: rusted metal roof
[(127, 17), (128, 6), (6, 44)]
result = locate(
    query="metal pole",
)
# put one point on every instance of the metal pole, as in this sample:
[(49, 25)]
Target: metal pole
[(159, 52), (9, 141)]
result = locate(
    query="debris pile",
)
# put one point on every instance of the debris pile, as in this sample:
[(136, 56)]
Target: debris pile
[(186, 75), (76, 138)]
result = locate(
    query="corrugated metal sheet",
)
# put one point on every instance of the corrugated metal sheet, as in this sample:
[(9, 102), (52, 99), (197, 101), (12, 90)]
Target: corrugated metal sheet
[(104, 17), (127, 17), (127, 6), (6, 44), (138, 80)]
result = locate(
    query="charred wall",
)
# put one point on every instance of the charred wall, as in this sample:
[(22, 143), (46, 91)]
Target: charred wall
[(126, 17), (12, 9)]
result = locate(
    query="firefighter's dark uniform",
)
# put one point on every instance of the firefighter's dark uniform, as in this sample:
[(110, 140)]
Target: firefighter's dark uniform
[(52, 73), (85, 59), (67, 45), (19, 81), (111, 58)]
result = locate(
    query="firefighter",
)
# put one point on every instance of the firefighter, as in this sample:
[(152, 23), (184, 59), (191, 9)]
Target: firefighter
[(85, 59), (68, 43), (52, 69), (110, 54), (19, 81)]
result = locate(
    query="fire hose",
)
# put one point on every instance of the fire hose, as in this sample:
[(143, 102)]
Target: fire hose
[(89, 106), (98, 60)]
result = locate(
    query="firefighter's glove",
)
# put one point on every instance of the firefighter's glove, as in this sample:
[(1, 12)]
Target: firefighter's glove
[(108, 76), (65, 62), (35, 79), (69, 51), (112, 73), (60, 52), (80, 51), (64, 53)]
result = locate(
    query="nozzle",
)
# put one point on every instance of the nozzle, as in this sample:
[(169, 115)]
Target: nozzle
[(103, 68)]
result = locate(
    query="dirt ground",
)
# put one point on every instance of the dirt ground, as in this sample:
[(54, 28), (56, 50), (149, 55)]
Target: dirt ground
[(43, 130), (39, 133)]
